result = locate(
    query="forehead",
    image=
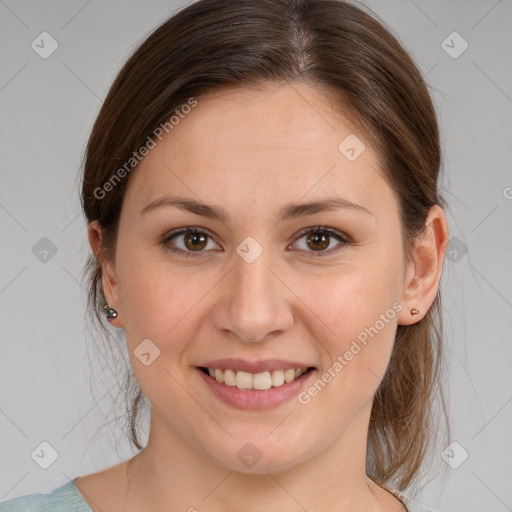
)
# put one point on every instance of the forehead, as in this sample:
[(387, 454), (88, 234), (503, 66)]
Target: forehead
[(266, 145)]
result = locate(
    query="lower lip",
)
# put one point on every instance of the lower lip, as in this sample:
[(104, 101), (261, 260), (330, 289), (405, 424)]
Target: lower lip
[(256, 399)]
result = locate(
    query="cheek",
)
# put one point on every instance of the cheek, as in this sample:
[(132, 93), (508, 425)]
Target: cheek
[(355, 317), (159, 304), (161, 301), (343, 300), (356, 345), (164, 302)]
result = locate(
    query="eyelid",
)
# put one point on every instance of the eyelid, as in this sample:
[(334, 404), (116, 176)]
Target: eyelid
[(322, 229)]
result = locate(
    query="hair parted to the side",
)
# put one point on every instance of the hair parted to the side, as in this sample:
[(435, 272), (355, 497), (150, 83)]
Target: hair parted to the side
[(338, 48)]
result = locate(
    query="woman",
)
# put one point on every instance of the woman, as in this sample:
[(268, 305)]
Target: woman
[(260, 188)]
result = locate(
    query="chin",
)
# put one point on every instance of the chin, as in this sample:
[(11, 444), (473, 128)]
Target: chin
[(259, 455)]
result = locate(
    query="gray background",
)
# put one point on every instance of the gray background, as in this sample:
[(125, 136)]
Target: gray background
[(48, 107)]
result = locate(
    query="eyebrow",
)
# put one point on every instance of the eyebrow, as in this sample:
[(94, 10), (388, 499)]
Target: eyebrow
[(289, 211)]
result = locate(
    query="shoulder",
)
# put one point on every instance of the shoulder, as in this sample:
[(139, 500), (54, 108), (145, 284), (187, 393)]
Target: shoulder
[(412, 506), (65, 498)]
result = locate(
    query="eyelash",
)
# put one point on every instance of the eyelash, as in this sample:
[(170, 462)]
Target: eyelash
[(316, 230)]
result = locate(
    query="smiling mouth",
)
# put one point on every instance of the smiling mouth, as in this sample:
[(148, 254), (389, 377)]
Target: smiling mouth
[(255, 381)]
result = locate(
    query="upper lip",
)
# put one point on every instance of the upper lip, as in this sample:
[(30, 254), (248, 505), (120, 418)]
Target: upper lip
[(254, 366)]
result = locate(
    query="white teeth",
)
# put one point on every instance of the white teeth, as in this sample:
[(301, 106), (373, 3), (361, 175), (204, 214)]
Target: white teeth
[(289, 375), (259, 381), (262, 381), (219, 375), (277, 377), (229, 378), (243, 379)]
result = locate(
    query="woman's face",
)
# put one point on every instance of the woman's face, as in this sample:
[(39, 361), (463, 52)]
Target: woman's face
[(251, 292)]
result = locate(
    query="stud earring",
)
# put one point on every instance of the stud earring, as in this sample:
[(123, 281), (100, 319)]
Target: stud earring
[(110, 312), (414, 311)]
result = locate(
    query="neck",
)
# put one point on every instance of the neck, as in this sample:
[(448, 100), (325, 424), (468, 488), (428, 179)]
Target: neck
[(170, 474)]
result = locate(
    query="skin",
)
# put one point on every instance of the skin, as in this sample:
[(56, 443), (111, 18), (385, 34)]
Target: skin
[(251, 152)]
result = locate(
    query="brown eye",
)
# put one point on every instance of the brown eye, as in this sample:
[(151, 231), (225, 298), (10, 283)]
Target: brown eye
[(188, 241), (195, 241), (317, 240)]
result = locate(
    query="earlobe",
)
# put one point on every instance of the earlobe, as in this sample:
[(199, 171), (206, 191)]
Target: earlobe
[(111, 308), (109, 282), (110, 290), (424, 274), (413, 308)]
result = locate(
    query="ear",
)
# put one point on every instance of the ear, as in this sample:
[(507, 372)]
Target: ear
[(109, 281), (424, 272)]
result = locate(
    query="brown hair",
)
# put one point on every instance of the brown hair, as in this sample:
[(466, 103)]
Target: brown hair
[(212, 44)]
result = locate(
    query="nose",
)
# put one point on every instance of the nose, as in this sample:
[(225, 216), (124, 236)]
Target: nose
[(255, 303)]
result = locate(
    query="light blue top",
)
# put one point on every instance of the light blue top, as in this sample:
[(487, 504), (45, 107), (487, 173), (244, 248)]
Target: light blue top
[(67, 498)]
